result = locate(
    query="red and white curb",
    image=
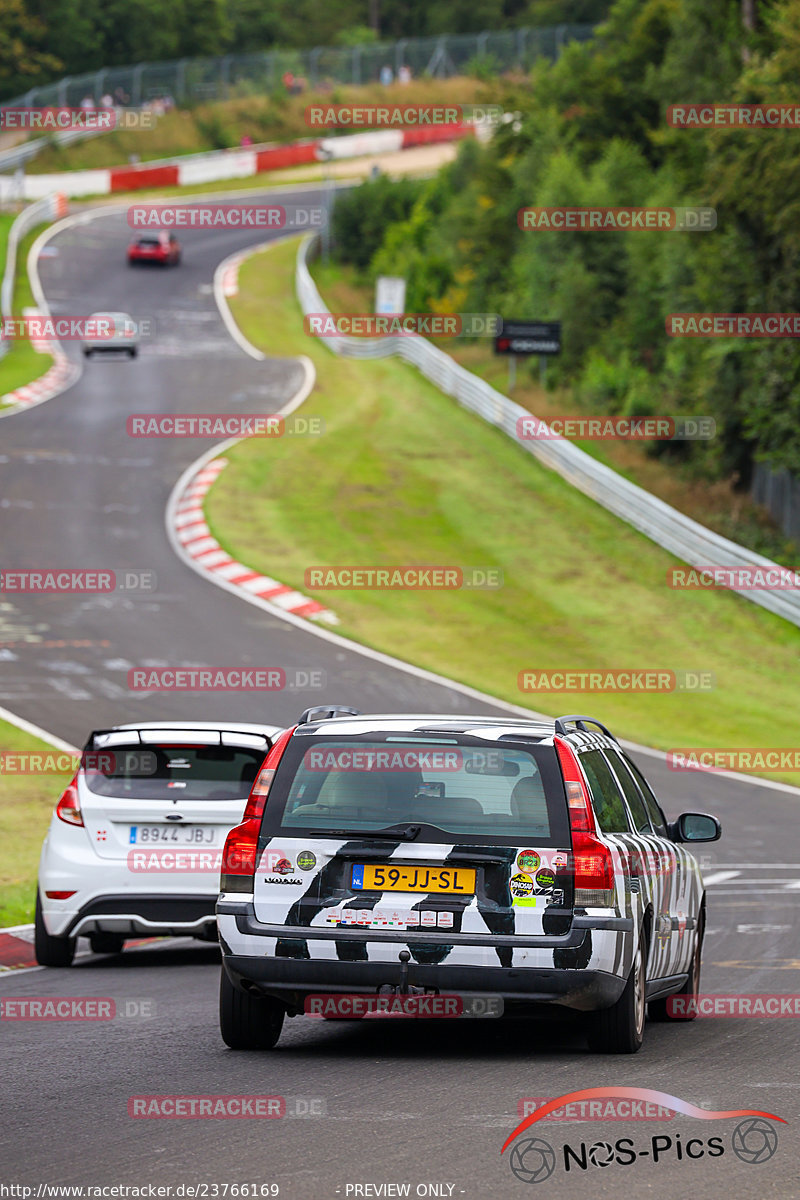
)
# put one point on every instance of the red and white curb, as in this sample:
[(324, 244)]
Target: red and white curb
[(56, 380), (230, 277), (17, 953), (16, 948), (193, 535)]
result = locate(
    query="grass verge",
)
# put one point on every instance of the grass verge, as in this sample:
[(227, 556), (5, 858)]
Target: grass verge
[(22, 363), (717, 505), (402, 475), (26, 805)]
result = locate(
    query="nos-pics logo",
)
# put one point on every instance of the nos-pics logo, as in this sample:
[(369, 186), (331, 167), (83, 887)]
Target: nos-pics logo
[(533, 1160)]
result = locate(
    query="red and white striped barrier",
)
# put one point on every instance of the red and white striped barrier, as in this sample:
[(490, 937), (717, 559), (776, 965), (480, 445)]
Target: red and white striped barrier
[(191, 531), (225, 164)]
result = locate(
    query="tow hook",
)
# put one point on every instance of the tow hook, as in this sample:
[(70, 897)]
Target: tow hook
[(403, 988), (405, 959)]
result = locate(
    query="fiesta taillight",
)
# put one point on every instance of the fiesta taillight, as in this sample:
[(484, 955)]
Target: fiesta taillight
[(240, 855), (68, 808), (592, 861)]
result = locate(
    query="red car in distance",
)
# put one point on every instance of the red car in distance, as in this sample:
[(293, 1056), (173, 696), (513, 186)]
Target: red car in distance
[(161, 248)]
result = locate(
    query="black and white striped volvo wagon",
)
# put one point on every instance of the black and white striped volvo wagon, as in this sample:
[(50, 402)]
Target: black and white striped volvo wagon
[(434, 854)]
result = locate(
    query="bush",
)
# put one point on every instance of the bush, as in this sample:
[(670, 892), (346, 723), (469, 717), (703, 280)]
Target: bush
[(362, 216)]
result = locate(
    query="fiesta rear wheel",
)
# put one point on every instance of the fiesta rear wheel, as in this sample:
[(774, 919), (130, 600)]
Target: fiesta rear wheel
[(620, 1028), (666, 1009), (50, 951), (248, 1022)]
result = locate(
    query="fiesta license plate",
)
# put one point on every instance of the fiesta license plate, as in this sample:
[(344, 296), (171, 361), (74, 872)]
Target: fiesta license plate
[(368, 877), (182, 835)]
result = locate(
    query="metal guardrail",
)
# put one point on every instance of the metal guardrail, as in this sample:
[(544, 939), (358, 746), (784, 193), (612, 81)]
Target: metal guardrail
[(194, 80), (688, 540), (31, 216)]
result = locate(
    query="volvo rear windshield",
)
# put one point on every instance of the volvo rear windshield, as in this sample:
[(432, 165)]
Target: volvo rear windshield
[(173, 772), (453, 788)]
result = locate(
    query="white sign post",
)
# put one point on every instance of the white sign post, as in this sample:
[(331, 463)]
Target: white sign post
[(390, 294)]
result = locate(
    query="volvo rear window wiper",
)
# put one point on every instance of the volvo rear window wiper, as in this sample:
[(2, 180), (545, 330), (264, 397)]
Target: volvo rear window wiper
[(398, 833)]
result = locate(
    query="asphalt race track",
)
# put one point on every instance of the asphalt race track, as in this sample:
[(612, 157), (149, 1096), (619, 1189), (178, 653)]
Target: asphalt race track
[(417, 1103)]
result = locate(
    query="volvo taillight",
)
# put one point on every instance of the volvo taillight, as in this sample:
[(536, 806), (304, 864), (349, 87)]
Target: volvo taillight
[(593, 872), (592, 861), (68, 808), (239, 857)]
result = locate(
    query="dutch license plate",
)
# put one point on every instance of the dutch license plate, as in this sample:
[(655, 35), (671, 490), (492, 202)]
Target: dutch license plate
[(368, 877), (172, 835)]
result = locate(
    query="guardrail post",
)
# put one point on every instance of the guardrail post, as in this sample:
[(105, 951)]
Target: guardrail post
[(225, 74), (136, 87), (180, 79), (313, 60)]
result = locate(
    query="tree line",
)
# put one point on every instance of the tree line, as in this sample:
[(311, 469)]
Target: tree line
[(41, 40), (591, 129)]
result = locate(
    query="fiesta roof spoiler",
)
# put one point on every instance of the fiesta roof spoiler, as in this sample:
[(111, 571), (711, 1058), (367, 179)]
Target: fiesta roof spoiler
[(580, 723), (324, 712)]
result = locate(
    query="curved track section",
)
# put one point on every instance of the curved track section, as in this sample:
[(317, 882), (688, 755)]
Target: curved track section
[(407, 1103)]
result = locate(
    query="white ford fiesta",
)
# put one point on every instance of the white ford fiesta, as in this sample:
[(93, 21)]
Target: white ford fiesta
[(134, 845)]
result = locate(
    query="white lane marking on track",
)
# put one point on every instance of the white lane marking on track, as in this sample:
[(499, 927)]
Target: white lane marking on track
[(720, 877), (762, 928)]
